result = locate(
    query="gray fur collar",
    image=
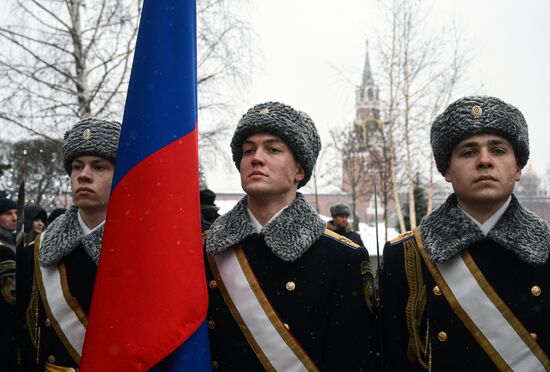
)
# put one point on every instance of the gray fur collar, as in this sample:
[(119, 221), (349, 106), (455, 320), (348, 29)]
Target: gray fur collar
[(447, 231), (289, 235), (64, 235)]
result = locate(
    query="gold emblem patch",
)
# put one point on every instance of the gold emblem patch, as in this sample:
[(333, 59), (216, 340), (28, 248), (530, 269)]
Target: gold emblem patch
[(8, 288), (86, 133), (477, 111)]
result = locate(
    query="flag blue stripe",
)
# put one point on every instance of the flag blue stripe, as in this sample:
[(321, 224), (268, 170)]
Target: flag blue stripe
[(161, 105), (192, 356)]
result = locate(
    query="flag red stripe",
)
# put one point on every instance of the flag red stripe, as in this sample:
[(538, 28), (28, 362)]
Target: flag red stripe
[(153, 231)]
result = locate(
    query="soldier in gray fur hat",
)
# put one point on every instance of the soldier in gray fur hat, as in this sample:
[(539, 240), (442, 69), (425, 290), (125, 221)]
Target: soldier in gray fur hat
[(339, 223), (466, 289), (64, 258), (285, 292)]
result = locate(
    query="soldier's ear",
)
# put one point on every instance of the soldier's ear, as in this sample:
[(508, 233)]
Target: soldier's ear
[(300, 174), (447, 176), (518, 172)]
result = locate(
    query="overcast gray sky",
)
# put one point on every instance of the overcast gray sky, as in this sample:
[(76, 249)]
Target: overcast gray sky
[(313, 53)]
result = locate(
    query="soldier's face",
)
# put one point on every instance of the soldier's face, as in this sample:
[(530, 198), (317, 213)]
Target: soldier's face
[(8, 220), (268, 166), (340, 221), (91, 178), (483, 170)]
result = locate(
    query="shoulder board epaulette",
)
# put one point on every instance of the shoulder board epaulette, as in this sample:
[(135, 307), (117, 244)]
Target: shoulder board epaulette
[(204, 236), (401, 238), (331, 234)]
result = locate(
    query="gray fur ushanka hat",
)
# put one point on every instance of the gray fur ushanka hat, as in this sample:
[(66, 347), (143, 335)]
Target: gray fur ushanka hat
[(91, 136), (339, 210), (294, 127), (470, 116)]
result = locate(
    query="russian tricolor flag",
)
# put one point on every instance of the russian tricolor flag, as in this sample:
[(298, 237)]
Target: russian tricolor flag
[(150, 293)]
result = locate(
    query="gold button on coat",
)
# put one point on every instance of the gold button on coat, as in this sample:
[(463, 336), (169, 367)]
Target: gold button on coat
[(442, 336), (290, 286), (437, 291), (536, 291), (477, 111), (211, 324), (286, 326), (47, 322), (51, 359), (213, 284), (533, 336), (215, 365)]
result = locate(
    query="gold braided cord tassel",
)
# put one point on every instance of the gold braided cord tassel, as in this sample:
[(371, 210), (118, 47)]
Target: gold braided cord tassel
[(416, 304), (32, 315)]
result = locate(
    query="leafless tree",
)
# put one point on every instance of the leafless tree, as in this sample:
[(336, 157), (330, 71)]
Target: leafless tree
[(324, 173), (225, 45), (69, 59), (353, 152), (6, 184), (419, 77), (38, 162)]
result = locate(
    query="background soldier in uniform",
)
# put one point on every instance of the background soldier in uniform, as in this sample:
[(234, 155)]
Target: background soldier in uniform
[(64, 258), (8, 224), (468, 289), (209, 210), (339, 223), (305, 283)]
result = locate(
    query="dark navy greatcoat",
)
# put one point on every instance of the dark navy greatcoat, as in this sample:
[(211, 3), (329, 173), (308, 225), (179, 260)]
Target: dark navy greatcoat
[(81, 271), (347, 232), (514, 280), (7, 308), (326, 312)]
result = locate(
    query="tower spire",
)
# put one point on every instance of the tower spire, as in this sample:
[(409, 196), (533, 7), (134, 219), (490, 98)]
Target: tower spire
[(367, 72), (366, 95)]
